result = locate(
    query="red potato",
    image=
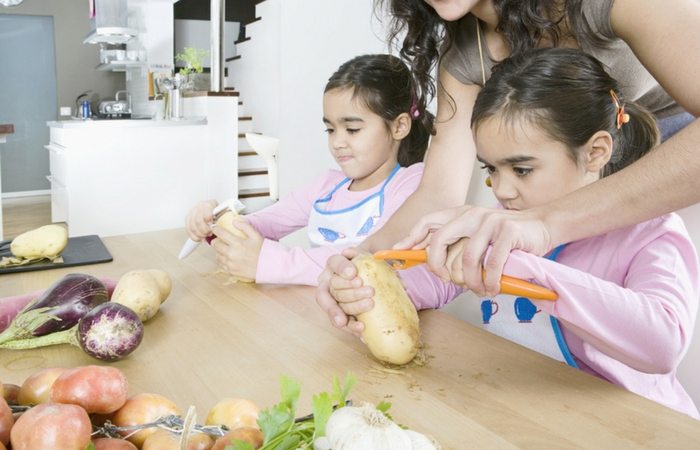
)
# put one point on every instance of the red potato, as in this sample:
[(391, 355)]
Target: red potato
[(6, 422), (52, 426), (234, 413), (165, 440), (113, 444), (97, 389), (251, 435), (143, 408), (36, 388), (10, 393)]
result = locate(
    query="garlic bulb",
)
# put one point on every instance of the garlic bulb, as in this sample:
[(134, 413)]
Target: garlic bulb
[(365, 428)]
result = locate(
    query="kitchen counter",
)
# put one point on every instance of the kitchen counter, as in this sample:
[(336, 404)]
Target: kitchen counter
[(123, 123), (213, 340)]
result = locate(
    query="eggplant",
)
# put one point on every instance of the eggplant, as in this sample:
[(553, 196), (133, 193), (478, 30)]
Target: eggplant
[(108, 332), (59, 308)]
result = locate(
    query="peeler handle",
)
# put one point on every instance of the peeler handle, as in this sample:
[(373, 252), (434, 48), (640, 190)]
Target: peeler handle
[(516, 286)]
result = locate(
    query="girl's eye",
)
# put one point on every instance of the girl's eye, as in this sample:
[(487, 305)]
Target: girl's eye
[(490, 169), (329, 130), (352, 130), (522, 171)]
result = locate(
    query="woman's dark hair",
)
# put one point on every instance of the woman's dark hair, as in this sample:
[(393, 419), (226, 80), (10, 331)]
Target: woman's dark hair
[(523, 23), (569, 95), (386, 86)]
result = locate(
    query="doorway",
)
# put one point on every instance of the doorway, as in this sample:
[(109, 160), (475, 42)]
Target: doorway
[(28, 99)]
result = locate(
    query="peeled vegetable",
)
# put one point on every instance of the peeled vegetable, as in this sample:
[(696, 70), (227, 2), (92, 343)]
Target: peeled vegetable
[(391, 328), (363, 427), (226, 222), (44, 242), (143, 291)]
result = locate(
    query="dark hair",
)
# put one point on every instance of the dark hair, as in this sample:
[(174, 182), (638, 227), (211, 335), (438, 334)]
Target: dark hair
[(568, 94), (523, 23), (387, 88)]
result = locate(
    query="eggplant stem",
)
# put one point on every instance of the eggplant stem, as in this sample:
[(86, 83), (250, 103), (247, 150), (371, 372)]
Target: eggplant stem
[(25, 323), (68, 336)]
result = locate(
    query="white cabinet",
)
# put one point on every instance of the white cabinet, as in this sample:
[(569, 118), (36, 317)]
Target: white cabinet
[(129, 176)]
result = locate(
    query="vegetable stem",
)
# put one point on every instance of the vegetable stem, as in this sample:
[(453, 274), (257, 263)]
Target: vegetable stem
[(68, 336), (25, 323)]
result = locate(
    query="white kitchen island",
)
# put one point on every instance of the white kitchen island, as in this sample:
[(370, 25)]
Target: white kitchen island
[(112, 177)]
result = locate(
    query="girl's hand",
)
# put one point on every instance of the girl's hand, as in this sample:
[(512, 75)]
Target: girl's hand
[(235, 255), (199, 220), (340, 292)]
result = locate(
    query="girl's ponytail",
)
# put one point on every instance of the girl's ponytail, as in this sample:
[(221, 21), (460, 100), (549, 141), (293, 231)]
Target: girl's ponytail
[(633, 139), (413, 147)]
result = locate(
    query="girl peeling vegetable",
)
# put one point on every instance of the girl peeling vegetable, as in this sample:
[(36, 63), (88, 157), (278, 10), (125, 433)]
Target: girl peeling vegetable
[(377, 133), (547, 123)]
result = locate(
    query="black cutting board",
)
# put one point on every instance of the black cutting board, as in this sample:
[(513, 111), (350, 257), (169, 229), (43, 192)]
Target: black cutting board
[(80, 251)]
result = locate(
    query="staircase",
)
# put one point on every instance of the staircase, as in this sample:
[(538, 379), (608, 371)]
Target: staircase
[(253, 182)]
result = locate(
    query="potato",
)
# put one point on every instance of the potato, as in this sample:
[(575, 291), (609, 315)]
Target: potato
[(226, 222), (142, 291), (97, 389), (391, 329), (44, 242)]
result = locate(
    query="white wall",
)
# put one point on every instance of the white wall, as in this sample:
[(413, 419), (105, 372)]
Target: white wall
[(197, 34)]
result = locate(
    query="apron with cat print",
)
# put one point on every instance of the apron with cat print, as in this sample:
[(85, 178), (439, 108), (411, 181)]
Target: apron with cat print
[(346, 226), (518, 319)]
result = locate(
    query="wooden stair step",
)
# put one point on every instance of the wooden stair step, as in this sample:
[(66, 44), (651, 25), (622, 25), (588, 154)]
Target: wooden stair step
[(251, 172), (245, 118), (249, 153), (250, 193)]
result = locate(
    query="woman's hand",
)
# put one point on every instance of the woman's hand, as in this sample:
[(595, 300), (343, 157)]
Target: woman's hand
[(490, 231), (235, 255), (340, 292), (199, 220)]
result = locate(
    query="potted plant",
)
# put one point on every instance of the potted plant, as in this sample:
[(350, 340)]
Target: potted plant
[(193, 59)]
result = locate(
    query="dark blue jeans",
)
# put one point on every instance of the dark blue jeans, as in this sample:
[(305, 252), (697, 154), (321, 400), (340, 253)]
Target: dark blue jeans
[(673, 124)]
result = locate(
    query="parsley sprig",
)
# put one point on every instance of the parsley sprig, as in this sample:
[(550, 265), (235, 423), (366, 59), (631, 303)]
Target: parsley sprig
[(282, 431)]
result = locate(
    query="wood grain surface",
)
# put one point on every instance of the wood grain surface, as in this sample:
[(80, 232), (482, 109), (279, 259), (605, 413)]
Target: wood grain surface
[(213, 340)]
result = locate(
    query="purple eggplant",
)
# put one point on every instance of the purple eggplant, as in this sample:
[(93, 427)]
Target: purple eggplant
[(108, 332), (59, 308)]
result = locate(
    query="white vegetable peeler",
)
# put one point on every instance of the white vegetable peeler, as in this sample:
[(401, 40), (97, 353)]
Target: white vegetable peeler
[(232, 204)]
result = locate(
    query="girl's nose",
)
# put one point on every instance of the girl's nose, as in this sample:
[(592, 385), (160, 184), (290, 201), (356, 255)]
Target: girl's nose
[(503, 189)]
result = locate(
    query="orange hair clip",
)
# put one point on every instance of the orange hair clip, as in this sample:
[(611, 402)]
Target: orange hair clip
[(621, 116)]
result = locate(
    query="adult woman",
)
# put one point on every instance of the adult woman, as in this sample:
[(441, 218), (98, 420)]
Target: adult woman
[(632, 37)]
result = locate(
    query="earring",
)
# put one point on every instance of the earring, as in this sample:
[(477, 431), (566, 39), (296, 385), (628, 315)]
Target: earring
[(488, 181)]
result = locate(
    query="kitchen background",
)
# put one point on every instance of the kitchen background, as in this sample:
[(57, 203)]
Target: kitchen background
[(284, 62)]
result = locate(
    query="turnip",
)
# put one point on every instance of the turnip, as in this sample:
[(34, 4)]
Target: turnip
[(108, 332), (391, 328), (60, 307)]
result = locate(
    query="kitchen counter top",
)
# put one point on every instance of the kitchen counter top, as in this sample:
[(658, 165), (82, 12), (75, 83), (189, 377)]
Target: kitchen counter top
[(213, 340), (122, 123)]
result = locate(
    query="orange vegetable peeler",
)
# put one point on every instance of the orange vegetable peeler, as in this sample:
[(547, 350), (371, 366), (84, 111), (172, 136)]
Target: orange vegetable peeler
[(403, 259)]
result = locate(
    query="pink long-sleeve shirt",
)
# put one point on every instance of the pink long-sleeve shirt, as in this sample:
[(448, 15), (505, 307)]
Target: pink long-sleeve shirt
[(627, 303), (282, 264)]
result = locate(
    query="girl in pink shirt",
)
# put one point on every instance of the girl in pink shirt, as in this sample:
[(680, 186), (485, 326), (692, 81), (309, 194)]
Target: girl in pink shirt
[(378, 135), (546, 123)]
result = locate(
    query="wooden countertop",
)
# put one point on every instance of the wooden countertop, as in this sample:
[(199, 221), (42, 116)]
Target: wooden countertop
[(212, 340)]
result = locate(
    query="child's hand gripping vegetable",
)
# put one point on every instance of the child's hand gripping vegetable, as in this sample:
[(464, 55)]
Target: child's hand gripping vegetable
[(237, 246)]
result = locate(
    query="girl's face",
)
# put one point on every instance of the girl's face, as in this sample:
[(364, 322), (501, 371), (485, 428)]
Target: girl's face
[(526, 166), (359, 139), (451, 10)]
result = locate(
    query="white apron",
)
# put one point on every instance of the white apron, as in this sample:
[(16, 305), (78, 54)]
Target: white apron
[(347, 226), (518, 319)]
